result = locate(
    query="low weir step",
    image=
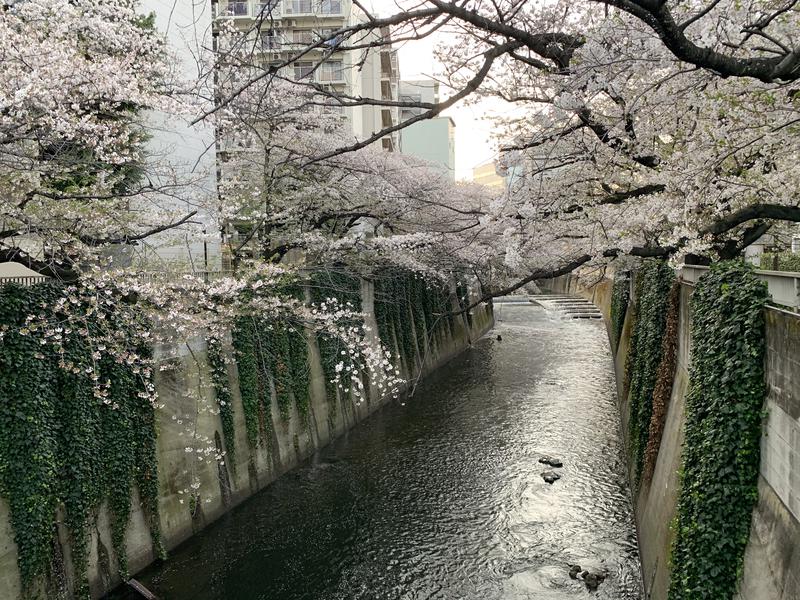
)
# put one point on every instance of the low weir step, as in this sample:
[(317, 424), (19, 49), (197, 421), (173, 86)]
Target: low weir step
[(569, 307)]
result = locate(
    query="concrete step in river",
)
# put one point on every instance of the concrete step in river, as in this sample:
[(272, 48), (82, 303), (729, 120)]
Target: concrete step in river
[(571, 307)]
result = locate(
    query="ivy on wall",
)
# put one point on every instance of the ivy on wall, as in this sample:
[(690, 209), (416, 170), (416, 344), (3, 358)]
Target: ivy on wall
[(633, 308), (330, 350), (61, 446), (221, 383), (413, 311), (267, 352), (275, 358), (271, 354), (654, 281), (665, 378), (345, 289), (620, 296), (723, 430), (299, 370), (462, 293), (251, 384)]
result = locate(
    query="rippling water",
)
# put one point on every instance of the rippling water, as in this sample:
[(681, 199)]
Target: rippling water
[(441, 497)]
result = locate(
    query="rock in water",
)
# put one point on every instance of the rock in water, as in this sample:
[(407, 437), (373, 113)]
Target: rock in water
[(551, 477), (553, 462), (573, 571), (592, 581), (499, 338)]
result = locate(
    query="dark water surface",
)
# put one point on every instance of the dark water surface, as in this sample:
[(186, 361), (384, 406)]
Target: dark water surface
[(441, 498)]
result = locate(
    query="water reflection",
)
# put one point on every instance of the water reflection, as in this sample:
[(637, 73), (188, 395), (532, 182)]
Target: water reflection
[(441, 498)]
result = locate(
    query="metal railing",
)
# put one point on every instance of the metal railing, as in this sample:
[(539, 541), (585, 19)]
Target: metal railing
[(210, 275), (784, 286), (26, 280)]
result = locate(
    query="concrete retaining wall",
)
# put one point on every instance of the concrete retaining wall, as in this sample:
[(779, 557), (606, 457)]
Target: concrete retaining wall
[(772, 558), (189, 415)]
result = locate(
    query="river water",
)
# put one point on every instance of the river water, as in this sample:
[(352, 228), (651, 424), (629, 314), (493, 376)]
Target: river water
[(439, 496)]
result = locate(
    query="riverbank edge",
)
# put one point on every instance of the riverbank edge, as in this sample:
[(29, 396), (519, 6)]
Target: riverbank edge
[(772, 558), (224, 486)]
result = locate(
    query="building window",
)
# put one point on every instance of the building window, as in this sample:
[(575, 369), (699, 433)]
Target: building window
[(301, 6), (331, 70), (330, 7), (270, 40), (236, 8), (328, 38), (303, 69), (303, 36), (265, 8)]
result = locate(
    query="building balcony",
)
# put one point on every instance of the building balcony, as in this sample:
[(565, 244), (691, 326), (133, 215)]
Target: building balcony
[(277, 9), (278, 46), (249, 9), (316, 8)]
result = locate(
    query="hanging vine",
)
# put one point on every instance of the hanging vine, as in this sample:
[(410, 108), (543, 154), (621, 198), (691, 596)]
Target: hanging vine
[(665, 378), (648, 335), (244, 344), (277, 358), (76, 424), (345, 289), (620, 295), (721, 452), (411, 309), (415, 288), (403, 320), (462, 293), (298, 360), (221, 383), (393, 314)]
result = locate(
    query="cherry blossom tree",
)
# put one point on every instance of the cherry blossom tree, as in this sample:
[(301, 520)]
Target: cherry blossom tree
[(76, 78), (76, 185), (640, 128), (280, 193)]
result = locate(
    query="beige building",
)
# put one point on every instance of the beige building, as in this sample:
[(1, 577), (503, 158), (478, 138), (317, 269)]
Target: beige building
[(486, 174)]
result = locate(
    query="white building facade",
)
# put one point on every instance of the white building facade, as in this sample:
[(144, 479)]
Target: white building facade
[(281, 28)]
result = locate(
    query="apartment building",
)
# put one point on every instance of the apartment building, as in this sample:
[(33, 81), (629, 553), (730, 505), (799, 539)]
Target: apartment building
[(277, 30), (282, 27), (432, 139)]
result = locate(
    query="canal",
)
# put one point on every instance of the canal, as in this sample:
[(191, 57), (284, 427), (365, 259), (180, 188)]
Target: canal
[(439, 496)]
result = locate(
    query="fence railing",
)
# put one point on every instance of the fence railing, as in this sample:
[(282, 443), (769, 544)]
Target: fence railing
[(24, 279), (784, 286), (211, 275), (28, 280)]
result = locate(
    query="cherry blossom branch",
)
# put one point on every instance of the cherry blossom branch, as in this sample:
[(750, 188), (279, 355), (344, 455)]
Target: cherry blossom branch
[(658, 16), (131, 238), (489, 57)]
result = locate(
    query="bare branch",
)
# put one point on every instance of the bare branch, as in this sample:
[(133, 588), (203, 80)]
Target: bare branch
[(129, 239)]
